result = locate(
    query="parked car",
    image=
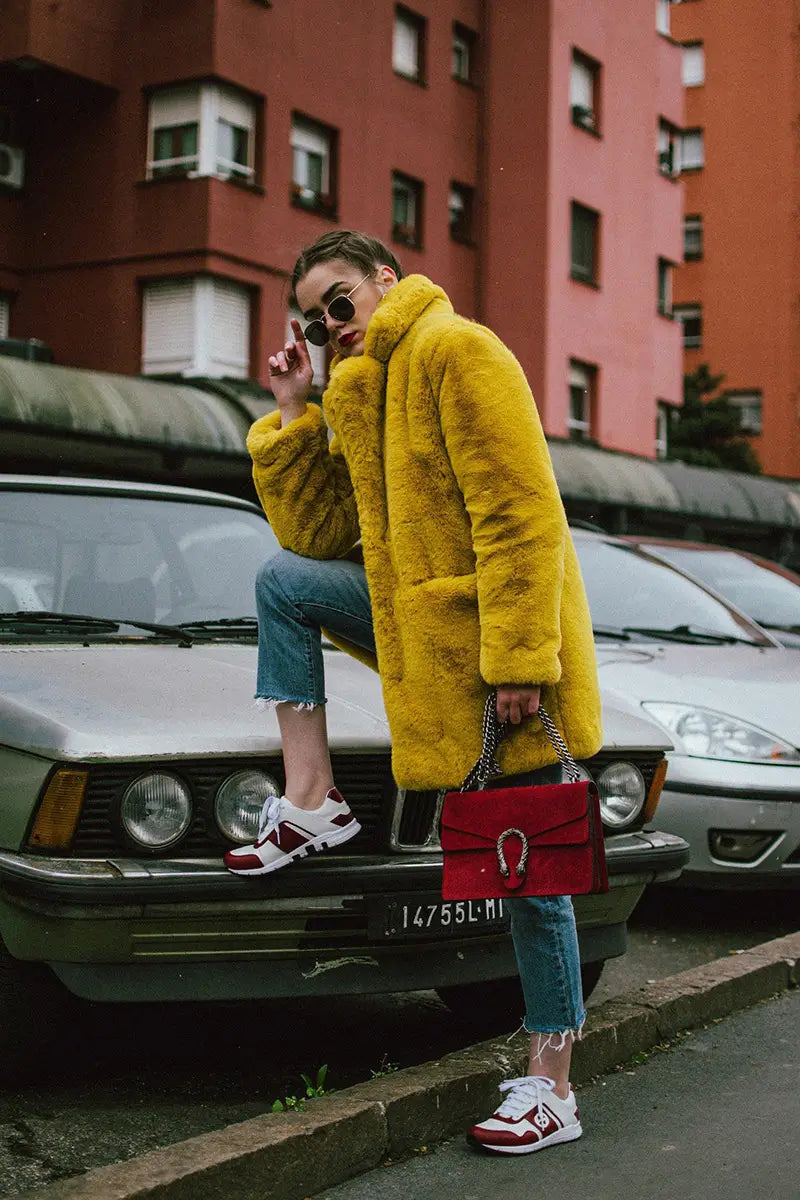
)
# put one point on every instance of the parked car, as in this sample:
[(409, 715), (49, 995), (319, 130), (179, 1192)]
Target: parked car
[(765, 590), (133, 756), (726, 694)]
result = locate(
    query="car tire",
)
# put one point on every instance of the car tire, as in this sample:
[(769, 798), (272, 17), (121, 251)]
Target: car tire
[(31, 1003), (498, 1003)]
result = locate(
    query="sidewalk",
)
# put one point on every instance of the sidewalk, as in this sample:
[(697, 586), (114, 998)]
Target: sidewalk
[(295, 1155), (716, 1116)]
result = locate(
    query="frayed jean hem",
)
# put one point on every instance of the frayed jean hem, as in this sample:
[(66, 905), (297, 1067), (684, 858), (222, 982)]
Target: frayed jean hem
[(268, 703)]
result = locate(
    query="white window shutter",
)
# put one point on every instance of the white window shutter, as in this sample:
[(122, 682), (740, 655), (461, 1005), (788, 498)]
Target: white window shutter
[(4, 315), (581, 85), (229, 335), (694, 65), (307, 137), (405, 47), (236, 108), (692, 150), (168, 340), (175, 106)]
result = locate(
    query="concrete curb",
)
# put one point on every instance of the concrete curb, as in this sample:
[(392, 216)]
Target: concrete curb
[(291, 1156)]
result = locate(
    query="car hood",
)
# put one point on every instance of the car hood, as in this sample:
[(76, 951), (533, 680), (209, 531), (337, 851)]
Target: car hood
[(151, 701), (755, 684)]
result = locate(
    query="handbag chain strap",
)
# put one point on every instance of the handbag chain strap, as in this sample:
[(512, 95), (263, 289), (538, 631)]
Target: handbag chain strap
[(494, 731)]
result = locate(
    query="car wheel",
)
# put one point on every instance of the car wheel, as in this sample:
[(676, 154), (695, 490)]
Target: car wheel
[(498, 1002), (31, 1002)]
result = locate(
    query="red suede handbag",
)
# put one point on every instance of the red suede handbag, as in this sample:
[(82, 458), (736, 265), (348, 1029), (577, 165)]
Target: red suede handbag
[(540, 840)]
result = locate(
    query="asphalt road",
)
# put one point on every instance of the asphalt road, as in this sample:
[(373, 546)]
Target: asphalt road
[(715, 1117), (130, 1078)]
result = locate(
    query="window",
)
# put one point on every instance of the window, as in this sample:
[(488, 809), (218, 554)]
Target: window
[(665, 287), (460, 207), (668, 149), (663, 16), (584, 91), (5, 311), (692, 237), (694, 64), (407, 210), (693, 155), (408, 45), (749, 406), (691, 317), (313, 160), (463, 55), (202, 129), (583, 243), (582, 386), (663, 419), (196, 326)]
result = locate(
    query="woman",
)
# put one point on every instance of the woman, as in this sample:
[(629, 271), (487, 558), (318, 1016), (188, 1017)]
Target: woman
[(438, 464)]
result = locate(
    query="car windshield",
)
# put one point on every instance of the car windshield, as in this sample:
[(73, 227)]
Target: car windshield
[(627, 590), (765, 595), (137, 558)]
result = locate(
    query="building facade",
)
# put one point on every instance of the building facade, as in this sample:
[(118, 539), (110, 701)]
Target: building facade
[(162, 162), (738, 293)]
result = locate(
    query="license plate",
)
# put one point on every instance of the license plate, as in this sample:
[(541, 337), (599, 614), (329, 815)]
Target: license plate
[(404, 917)]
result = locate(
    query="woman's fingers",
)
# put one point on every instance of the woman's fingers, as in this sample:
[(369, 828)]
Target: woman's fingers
[(516, 702)]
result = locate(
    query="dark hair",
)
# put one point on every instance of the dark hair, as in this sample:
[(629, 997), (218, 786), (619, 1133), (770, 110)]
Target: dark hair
[(365, 253)]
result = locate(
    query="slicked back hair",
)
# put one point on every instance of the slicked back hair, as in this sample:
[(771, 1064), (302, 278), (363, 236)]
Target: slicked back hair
[(360, 251)]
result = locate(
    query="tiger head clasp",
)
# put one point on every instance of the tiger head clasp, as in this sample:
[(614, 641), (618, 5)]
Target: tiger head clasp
[(522, 865)]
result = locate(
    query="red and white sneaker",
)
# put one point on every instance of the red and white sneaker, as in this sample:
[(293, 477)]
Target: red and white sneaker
[(286, 832), (531, 1117)]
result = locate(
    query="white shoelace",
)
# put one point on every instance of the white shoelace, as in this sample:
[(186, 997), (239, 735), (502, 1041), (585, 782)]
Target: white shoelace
[(523, 1095), (270, 817)]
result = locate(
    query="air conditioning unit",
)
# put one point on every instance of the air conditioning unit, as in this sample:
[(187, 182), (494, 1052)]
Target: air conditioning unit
[(12, 165)]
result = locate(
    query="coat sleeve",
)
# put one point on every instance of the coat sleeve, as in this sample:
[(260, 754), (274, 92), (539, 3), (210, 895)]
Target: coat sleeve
[(304, 485), (496, 446)]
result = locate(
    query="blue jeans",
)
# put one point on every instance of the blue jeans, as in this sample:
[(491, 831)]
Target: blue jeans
[(296, 597)]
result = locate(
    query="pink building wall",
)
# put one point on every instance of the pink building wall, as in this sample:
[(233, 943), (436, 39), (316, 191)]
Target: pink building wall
[(615, 325)]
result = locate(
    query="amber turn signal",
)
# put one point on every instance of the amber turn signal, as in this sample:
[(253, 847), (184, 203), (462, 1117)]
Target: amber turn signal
[(60, 807), (654, 795)]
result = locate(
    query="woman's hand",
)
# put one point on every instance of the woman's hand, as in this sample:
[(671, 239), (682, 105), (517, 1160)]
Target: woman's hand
[(515, 701), (291, 375)]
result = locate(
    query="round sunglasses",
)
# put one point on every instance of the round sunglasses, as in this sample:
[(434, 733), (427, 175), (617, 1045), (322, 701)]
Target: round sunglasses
[(341, 308)]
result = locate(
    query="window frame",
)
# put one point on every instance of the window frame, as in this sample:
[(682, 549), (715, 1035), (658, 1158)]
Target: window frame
[(583, 117), (208, 105), (581, 429), (469, 39), (697, 228), (685, 313), (204, 291), (466, 233), (417, 24), (664, 411), (668, 160), (664, 269), (409, 235), (579, 271), (738, 398), (321, 140)]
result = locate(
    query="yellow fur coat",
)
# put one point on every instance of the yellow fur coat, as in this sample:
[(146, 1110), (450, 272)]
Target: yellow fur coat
[(440, 466)]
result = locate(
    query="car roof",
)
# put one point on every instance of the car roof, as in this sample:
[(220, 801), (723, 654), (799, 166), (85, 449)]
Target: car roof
[(121, 487)]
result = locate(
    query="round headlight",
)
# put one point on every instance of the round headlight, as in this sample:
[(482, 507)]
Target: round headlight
[(239, 802), (622, 793), (156, 810)]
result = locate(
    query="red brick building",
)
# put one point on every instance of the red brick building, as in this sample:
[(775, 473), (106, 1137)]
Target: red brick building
[(162, 161)]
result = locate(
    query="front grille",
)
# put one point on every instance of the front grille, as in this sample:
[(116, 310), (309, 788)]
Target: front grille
[(364, 779), (416, 817)]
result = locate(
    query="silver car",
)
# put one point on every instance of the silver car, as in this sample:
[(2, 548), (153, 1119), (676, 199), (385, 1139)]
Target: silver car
[(726, 694), (132, 756)]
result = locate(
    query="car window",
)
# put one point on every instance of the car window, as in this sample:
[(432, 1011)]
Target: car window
[(763, 594), (140, 558), (626, 588)]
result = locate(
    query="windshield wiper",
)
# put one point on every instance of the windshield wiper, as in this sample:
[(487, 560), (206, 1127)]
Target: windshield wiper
[(780, 628), (611, 631), (39, 621), (689, 633), (222, 626)]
